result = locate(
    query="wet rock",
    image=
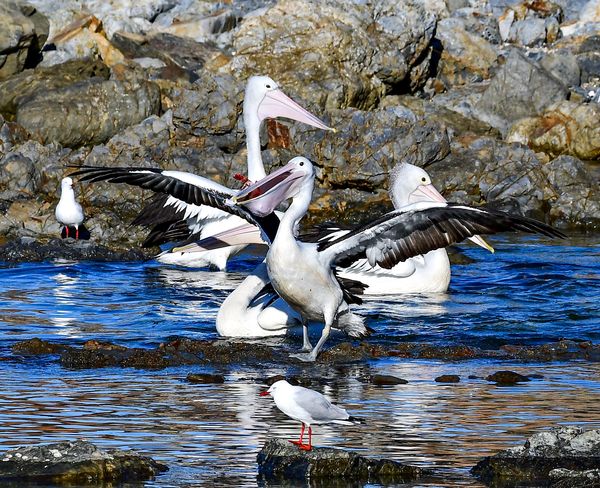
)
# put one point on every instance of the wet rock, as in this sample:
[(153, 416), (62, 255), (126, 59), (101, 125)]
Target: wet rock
[(76, 463), (23, 249), (23, 32), (90, 111), (564, 128), (448, 378), (521, 88), (36, 347), (562, 350), (386, 379), (280, 461), (205, 378), (464, 56), (347, 52), (563, 447), (507, 378), (528, 32), (568, 478), (23, 86)]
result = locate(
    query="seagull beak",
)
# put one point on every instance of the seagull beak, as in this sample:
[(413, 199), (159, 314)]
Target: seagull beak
[(430, 193), (278, 104), (262, 197), (263, 393)]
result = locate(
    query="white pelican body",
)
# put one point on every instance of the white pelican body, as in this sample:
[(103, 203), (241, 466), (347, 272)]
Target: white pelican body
[(68, 211)]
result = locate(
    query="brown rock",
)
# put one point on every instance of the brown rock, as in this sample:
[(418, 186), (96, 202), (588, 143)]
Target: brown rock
[(448, 378)]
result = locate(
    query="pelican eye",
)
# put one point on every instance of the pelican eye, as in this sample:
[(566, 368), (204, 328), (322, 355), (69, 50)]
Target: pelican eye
[(268, 86), (301, 163), (424, 180)]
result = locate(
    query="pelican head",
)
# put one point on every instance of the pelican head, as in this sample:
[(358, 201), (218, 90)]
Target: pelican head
[(262, 197), (411, 184), (264, 99)]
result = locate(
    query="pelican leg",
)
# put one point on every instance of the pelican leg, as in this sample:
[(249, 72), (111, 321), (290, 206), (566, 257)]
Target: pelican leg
[(312, 356), (306, 345)]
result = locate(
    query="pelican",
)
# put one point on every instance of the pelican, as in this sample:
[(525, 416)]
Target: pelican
[(429, 273), (175, 220), (302, 273), (69, 212)]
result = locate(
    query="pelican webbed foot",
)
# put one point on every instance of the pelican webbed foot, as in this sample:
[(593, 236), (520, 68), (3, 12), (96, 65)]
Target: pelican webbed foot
[(305, 357)]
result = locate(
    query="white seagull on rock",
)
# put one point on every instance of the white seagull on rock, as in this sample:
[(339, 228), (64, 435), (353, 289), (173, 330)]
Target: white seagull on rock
[(309, 407), (68, 211)]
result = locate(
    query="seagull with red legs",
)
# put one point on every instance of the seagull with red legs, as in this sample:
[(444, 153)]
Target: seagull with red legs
[(68, 211), (309, 407)]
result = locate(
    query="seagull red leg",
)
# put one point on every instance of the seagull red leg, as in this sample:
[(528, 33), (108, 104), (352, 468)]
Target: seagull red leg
[(307, 447), (77, 232), (67, 230), (299, 442)]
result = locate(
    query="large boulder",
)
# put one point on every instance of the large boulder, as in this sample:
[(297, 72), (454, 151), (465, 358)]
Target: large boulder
[(23, 32), (521, 88), (563, 447), (280, 461), (336, 55), (75, 463), (90, 111)]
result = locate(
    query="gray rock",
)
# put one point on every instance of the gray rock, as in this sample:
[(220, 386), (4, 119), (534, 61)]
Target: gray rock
[(588, 58), (88, 112), (24, 86), (528, 32), (563, 447), (280, 461), (562, 66), (79, 462), (521, 88), (23, 32), (345, 52)]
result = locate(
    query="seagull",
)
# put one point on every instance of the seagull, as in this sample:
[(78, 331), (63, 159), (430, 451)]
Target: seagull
[(68, 211), (174, 220), (309, 407), (303, 273)]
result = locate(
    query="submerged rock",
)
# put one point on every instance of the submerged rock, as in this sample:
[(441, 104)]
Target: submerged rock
[(563, 447), (448, 378), (280, 461), (507, 378), (387, 379), (569, 478), (205, 378), (76, 463)]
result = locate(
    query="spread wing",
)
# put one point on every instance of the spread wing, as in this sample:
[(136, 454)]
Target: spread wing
[(420, 228)]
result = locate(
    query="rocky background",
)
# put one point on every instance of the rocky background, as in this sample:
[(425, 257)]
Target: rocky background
[(498, 99)]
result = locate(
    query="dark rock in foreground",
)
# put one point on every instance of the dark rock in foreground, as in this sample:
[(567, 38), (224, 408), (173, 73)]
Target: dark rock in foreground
[(569, 448), (280, 460), (79, 462), (568, 478), (507, 378), (448, 378)]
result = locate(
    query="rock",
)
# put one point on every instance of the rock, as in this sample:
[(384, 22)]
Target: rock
[(23, 32), (562, 66), (75, 463), (386, 379), (528, 32), (26, 85), (88, 112), (563, 447), (564, 128), (521, 88), (573, 201), (464, 56), (346, 52), (36, 347), (204, 378), (568, 478), (280, 461), (448, 378), (507, 378)]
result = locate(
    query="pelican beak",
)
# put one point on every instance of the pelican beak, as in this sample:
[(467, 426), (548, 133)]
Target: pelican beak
[(243, 234), (430, 193), (263, 393), (262, 197), (278, 104)]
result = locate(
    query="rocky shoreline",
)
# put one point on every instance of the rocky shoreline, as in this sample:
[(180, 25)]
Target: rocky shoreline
[(498, 101)]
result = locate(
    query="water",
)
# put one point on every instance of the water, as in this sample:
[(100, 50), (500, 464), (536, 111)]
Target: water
[(530, 292)]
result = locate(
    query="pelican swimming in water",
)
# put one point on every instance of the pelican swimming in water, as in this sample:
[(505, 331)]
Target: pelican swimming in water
[(176, 220), (302, 273)]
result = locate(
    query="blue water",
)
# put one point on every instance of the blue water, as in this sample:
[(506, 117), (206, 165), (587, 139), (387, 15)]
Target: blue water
[(531, 291)]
